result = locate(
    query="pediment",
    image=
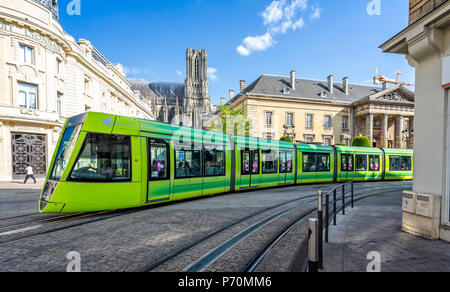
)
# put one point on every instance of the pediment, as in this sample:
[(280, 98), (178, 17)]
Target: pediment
[(397, 94)]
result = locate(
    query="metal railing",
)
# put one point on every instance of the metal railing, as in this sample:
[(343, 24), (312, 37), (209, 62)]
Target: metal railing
[(316, 240)]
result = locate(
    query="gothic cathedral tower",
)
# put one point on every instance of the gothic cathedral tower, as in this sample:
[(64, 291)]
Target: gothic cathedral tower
[(197, 103)]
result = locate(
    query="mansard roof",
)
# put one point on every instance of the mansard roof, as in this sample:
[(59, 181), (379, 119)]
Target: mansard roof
[(307, 89)]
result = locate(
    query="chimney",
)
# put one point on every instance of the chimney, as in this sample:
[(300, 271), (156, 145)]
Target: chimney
[(345, 86), (331, 83), (222, 101), (242, 83), (231, 94), (293, 80)]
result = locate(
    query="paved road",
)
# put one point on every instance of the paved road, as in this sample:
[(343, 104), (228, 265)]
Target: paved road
[(132, 240)]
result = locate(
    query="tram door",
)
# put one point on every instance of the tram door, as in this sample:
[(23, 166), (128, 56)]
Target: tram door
[(249, 168), (158, 170), (286, 167)]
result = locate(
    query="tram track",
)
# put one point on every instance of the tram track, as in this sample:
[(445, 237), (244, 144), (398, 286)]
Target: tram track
[(220, 250)]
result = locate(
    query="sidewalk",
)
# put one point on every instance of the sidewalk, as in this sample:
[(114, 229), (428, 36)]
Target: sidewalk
[(18, 185), (375, 225)]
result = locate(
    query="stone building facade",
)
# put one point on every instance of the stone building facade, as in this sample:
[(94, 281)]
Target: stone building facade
[(327, 112), (185, 103), (45, 77), (426, 44)]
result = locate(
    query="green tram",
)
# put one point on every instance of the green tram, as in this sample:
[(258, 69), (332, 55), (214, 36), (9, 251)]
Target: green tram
[(107, 162)]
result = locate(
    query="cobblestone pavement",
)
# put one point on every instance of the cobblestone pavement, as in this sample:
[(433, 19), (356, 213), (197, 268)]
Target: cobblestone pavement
[(375, 225), (132, 241)]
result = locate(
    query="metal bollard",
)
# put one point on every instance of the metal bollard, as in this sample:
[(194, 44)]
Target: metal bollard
[(313, 250), (353, 195), (334, 207), (320, 217), (327, 216), (343, 199)]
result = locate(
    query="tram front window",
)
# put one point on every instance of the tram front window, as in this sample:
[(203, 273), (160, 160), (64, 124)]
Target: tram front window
[(65, 150), (104, 158)]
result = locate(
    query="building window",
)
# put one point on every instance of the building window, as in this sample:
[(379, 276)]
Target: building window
[(327, 122), (27, 54), (309, 121), (269, 136), (289, 119), (59, 103), (345, 123), (27, 96), (327, 141), (268, 118)]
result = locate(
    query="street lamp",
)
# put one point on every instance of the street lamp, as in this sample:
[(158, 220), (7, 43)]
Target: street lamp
[(289, 131)]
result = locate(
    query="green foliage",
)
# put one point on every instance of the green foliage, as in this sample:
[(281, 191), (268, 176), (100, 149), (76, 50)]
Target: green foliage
[(232, 122), (287, 139), (341, 144), (361, 142)]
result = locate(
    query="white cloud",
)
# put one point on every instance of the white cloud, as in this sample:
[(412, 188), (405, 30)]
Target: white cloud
[(273, 13), (280, 17), (317, 12), (179, 73), (212, 74)]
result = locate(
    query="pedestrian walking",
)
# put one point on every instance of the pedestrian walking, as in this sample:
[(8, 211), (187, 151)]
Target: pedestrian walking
[(29, 173)]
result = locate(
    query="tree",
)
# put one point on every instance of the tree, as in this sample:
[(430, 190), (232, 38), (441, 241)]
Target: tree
[(287, 139), (341, 144), (361, 142), (232, 122)]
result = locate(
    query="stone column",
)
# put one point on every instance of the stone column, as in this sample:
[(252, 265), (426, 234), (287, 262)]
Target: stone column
[(384, 131), (398, 132), (369, 128), (410, 133)]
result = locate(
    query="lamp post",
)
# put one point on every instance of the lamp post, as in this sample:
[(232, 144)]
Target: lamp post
[(289, 131)]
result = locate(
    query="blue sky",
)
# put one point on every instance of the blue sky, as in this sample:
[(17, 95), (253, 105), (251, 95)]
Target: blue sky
[(244, 38)]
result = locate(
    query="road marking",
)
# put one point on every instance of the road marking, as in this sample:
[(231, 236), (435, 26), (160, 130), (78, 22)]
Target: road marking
[(21, 230)]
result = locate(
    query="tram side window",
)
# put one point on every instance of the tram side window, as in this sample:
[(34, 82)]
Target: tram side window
[(361, 162), (347, 163), (323, 162), (406, 163), (159, 160), (104, 158), (214, 160), (269, 161), (374, 162), (309, 162), (400, 163), (188, 163)]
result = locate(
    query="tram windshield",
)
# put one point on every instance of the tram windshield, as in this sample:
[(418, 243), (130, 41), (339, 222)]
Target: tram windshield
[(104, 158), (65, 151)]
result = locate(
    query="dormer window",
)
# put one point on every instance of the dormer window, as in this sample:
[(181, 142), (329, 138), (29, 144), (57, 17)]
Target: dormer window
[(286, 91), (323, 94)]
